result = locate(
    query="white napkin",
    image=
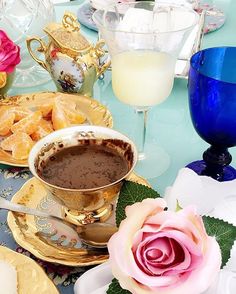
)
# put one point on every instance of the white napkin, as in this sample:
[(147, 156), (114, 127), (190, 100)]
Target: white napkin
[(202, 191), (101, 277), (211, 197)]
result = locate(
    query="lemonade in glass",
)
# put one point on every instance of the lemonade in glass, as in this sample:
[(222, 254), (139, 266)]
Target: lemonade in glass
[(144, 39)]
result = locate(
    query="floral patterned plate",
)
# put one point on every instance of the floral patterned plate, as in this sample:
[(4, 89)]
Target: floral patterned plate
[(215, 18), (30, 276), (95, 113), (51, 241)]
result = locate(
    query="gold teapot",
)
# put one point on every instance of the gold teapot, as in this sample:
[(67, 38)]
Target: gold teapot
[(73, 63)]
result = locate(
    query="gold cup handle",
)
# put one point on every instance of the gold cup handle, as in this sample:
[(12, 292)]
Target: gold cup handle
[(42, 48), (99, 51)]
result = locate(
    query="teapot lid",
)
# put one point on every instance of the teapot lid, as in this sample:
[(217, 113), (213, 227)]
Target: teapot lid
[(67, 35)]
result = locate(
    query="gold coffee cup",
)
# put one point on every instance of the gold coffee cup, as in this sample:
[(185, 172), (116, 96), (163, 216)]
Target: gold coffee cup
[(83, 206)]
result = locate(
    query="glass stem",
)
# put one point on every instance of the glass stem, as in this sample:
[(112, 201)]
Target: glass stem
[(141, 114), (216, 159)]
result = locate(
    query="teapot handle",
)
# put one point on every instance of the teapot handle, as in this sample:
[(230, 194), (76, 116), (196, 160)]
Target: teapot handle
[(41, 48), (99, 51)]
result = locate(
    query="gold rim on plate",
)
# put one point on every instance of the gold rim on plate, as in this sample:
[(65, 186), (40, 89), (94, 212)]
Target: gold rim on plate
[(31, 277), (95, 112), (51, 242)]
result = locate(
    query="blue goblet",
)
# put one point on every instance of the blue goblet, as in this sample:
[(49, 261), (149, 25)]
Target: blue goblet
[(212, 102)]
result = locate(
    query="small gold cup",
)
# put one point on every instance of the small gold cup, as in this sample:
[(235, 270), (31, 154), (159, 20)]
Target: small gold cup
[(6, 81), (83, 206)]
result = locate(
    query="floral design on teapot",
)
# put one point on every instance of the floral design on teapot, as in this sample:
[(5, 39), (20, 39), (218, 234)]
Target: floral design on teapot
[(67, 74)]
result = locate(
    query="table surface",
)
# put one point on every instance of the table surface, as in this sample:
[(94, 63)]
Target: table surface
[(169, 126)]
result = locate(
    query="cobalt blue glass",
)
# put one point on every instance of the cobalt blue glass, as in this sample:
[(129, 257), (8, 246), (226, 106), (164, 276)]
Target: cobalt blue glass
[(212, 102)]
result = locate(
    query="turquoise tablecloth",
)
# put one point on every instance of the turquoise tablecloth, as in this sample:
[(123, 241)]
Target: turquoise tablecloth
[(169, 125)]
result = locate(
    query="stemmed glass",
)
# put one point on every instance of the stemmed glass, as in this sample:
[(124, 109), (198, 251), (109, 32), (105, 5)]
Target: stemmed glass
[(212, 102), (144, 39), (23, 19)]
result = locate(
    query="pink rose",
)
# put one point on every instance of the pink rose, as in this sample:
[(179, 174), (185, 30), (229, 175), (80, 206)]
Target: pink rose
[(163, 252), (9, 53)]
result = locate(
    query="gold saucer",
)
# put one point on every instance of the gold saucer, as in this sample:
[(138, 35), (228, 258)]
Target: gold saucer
[(30, 276), (52, 241), (95, 113)]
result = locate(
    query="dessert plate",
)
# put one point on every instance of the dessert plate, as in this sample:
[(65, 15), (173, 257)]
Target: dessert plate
[(30, 276), (215, 17), (84, 15), (52, 241), (95, 113)]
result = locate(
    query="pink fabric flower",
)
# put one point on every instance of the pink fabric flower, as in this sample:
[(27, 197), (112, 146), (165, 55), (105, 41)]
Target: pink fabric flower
[(163, 252), (9, 53)]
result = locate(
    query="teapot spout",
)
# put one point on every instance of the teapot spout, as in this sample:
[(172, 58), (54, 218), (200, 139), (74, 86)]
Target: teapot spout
[(100, 52)]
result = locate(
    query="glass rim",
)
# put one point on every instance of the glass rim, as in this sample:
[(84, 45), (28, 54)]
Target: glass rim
[(184, 8), (197, 54)]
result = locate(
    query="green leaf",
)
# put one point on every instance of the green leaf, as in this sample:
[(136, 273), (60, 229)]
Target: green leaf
[(115, 288), (224, 233), (178, 207), (131, 193)]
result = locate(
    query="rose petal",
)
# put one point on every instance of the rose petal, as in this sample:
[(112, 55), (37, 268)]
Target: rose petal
[(3, 35), (128, 283), (162, 248), (129, 265), (200, 279), (168, 259), (197, 282), (159, 252), (182, 260), (177, 221), (9, 53), (188, 246), (153, 206), (160, 245), (179, 236), (137, 214)]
